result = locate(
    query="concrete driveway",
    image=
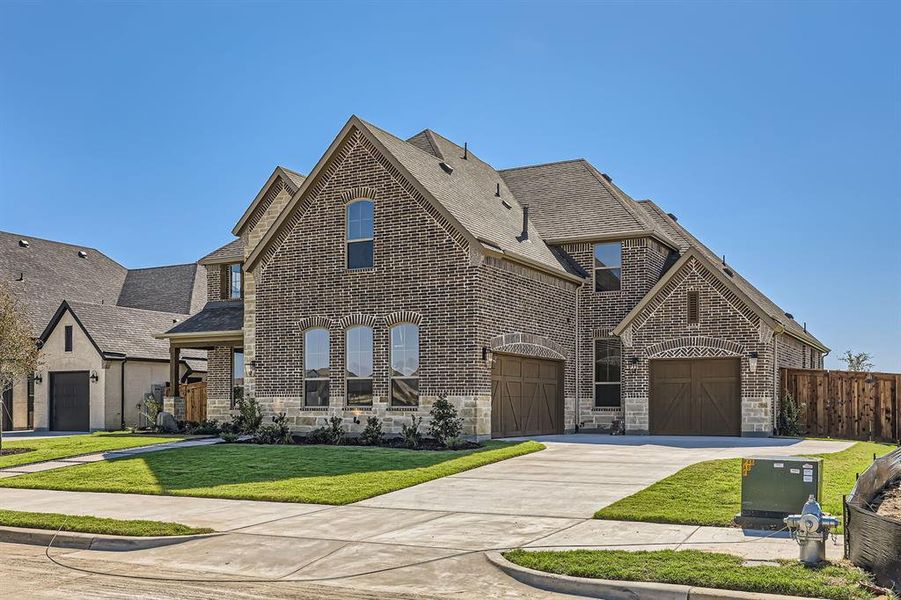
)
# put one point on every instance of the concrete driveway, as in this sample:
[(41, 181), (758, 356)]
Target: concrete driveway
[(429, 539)]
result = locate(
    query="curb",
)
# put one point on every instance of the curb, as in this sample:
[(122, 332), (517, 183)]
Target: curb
[(91, 541), (620, 590)]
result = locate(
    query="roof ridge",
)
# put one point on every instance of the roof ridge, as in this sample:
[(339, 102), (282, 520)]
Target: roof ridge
[(187, 264), (623, 198), (547, 164), (27, 237), (125, 308)]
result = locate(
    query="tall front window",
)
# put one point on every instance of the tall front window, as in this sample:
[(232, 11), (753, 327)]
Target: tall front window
[(359, 366), (607, 362), (359, 234), (405, 365), (233, 284), (315, 367), (237, 376), (608, 272)]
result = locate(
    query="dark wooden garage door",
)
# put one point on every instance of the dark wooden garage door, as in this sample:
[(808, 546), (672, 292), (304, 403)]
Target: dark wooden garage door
[(526, 396), (70, 401), (695, 397)]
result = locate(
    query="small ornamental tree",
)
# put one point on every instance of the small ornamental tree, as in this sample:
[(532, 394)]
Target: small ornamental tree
[(861, 361), (18, 351), (789, 417), (445, 424)]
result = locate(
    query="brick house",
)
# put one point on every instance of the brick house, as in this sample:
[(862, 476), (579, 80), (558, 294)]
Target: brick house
[(539, 299)]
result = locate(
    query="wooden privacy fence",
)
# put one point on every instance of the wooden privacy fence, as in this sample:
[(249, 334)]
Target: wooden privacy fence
[(846, 404), (194, 395)]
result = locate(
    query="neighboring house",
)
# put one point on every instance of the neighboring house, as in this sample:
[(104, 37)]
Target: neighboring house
[(538, 300), (95, 321)]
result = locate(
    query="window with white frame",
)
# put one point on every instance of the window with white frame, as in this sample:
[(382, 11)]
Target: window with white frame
[(405, 365), (608, 271), (360, 234), (316, 367), (607, 368), (358, 345)]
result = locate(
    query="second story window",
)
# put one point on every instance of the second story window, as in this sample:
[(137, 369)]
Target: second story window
[(359, 366), (315, 367), (608, 272), (234, 282), (359, 234)]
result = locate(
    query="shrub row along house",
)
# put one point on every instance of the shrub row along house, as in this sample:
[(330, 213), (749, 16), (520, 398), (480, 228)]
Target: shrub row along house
[(95, 321), (539, 300)]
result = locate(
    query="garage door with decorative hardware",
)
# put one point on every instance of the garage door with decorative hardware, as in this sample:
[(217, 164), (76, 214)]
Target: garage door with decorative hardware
[(695, 397), (526, 396), (70, 401)]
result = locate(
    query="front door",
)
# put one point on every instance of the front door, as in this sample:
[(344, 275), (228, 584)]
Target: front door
[(70, 397)]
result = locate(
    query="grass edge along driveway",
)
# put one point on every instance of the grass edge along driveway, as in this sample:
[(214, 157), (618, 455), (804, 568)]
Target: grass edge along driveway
[(703, 569), (709, 493), (98, 525), (54, 448), (295, 473)]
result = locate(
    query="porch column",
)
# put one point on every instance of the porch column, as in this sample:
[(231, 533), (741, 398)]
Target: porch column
[(173, 403)]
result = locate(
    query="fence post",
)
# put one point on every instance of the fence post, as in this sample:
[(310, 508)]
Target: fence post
[(846, 517)]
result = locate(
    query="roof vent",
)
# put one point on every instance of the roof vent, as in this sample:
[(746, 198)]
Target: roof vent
[(21, 277), (498, 190), (805, 326), (465, 151), (524, 236), (724, 260), (506, 204), (446, 167), (607, 177), (672, 216), (24, 243), (789, 315), (82, 254), (728, 272)]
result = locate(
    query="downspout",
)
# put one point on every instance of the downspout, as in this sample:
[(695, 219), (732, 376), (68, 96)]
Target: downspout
[(578, 410), (777, 331), (122, 396)]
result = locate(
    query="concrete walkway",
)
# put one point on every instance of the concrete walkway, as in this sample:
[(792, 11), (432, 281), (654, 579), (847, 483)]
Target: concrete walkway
[(60, 463), (430, 538)]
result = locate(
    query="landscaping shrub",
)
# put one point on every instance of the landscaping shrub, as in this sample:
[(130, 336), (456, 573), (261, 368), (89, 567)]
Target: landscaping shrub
[(205, 427), (372, 433), (445, 424), (411, 434), (336, 430), (229, 437), (789, 417), (320, 435), (277, 432), (248, 418), (151, 409)]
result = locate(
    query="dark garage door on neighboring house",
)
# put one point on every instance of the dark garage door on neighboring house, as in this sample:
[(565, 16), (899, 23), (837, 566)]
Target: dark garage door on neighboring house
[(695, 397), (526, 396), (70, 401)]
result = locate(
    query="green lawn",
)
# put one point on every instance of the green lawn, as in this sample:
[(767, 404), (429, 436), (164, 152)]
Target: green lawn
[(709, 493), (704, 569), (75, 445), (314, 474), (33, 520)]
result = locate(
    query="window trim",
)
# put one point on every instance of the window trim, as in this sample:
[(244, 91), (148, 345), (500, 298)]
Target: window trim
[(68, 338), (347, 239), (392, 377), (595, 269), (232, 386), (594, 373), (347, 377), (328, 340)]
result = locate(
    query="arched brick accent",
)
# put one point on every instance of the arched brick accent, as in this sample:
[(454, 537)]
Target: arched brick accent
[(403, 316), (359, 193), (314, 323), (527, 344), (356, 319), (699, 346)]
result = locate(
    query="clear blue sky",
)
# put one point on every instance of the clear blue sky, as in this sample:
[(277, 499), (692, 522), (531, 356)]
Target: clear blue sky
[(770, 129)]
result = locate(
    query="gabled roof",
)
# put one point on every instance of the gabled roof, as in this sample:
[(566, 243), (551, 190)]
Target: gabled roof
[(43, 273), (230, 252), (754, 298), (292, 180), (465, 196), (121, 332), (571, 201), (173, 288), (216, 317)]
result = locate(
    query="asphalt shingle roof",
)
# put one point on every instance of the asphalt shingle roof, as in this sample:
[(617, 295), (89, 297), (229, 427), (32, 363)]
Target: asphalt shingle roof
[(173, 288), (234, 250), (221, 315)]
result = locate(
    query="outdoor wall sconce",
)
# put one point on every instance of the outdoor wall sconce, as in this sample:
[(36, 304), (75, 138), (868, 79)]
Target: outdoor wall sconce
[(94, 377), (252, 368), (634, 360), (487, 355), (37, 378), (752, 362)]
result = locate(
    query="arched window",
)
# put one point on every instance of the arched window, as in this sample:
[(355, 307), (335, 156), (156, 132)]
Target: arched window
[(359, 234), (359, 366), (315, 367), (405, 365)]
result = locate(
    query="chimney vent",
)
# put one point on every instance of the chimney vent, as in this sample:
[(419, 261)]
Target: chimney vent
[(524, 236), (82, 254), (24, 243), (465, 151)]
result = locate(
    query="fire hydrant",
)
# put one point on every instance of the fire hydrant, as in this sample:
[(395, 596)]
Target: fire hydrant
[(811, 529)]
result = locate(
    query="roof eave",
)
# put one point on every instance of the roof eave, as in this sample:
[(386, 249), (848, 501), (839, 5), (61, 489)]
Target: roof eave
[(626, 235), (491, 249), (211, 336)]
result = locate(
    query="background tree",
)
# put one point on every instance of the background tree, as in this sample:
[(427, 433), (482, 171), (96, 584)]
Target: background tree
[(862, 361), (18, 351)]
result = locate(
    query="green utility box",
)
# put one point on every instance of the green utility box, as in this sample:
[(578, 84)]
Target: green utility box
[(773, 487)]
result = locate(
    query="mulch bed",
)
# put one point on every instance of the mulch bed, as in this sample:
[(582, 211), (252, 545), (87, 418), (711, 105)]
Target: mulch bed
[(9, 451), (397, 442)]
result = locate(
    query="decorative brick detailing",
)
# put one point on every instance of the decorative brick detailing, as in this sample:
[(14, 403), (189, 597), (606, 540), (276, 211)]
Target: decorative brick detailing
[(355, 320), (526, 344), (765, 332), (601, 332), (701, 346), (626, 337), (358, 193), (403, 316), (315, 322)]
